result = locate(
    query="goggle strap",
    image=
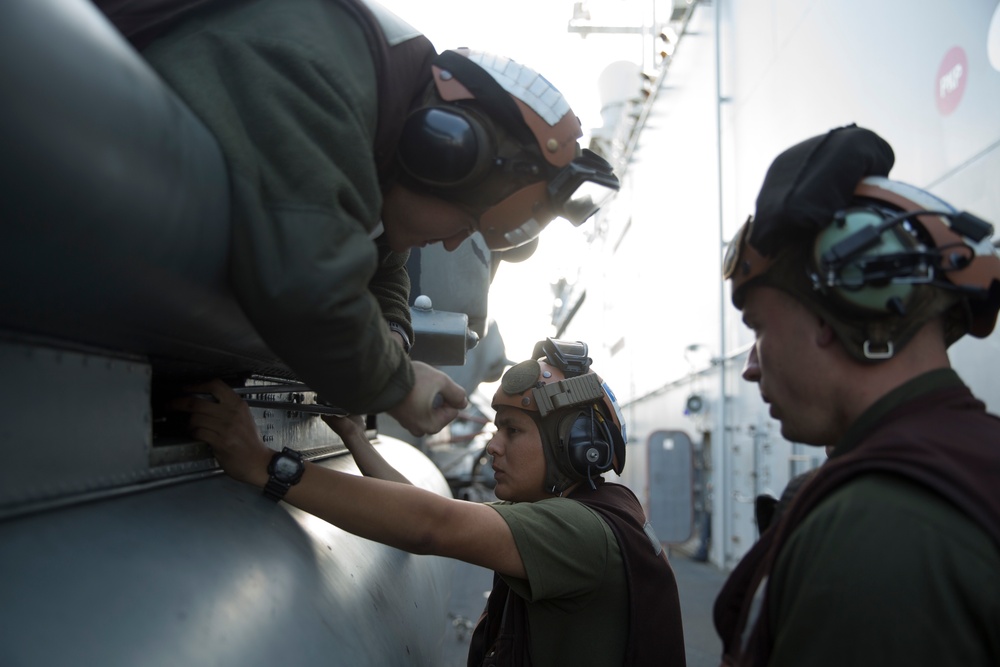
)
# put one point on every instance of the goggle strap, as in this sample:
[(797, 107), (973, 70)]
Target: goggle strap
[(580, 390)]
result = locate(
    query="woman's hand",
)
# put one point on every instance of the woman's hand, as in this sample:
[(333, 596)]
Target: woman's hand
[(371, 464), (350, 428), (228, 427)]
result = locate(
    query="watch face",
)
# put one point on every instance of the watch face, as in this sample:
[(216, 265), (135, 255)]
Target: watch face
[(285, 468)]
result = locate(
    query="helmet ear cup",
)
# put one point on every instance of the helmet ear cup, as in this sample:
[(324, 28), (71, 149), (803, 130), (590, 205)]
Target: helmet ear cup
[(854, 289), (445, 146), (586, 444)]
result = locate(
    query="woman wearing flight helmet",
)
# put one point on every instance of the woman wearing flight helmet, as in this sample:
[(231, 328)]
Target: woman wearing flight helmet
[(578, 419), (593, 567), (580, 579)]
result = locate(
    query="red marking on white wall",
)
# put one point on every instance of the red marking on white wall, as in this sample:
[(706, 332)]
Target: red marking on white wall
[(951, 77)]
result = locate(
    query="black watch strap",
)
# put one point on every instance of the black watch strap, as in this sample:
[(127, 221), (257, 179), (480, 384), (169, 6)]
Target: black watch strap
[(275, 490), (284, 471)]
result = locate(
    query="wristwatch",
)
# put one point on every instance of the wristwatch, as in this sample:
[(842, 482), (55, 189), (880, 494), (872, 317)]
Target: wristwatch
[(284, 470)]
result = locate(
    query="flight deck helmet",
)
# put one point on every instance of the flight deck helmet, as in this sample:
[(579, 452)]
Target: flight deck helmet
[(895, 257), (498, 138), (581, 426)]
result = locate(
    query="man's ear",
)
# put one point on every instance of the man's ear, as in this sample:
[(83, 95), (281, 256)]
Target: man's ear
[(825, 335)]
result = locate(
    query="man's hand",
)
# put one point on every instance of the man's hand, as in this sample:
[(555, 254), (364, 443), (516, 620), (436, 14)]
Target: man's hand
[(228, 427), (432, 404)]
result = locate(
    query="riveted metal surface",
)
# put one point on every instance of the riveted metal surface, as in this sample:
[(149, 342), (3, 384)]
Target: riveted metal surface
[(73, 422), (211, 572)]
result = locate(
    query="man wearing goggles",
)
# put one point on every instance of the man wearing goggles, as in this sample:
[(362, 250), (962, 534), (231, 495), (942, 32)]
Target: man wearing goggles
[(349, 140), (854, 286), (498, 139)]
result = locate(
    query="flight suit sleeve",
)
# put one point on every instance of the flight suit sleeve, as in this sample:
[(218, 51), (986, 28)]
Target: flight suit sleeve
[(391, 286)]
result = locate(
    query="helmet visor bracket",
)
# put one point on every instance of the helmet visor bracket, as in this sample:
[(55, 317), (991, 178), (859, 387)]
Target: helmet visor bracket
[(579, 390), (568, 356)]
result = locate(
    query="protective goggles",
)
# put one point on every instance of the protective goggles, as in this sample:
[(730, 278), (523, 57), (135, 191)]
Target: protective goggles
[(582, 187), (742, 263), (576, 192), (563, 380)]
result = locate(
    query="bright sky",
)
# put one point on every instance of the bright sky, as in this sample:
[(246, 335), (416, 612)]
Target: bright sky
[(533, 33)]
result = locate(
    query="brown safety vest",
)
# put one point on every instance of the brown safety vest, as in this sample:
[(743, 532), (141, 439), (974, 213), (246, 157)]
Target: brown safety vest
[(655, 638), (944, 440)]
